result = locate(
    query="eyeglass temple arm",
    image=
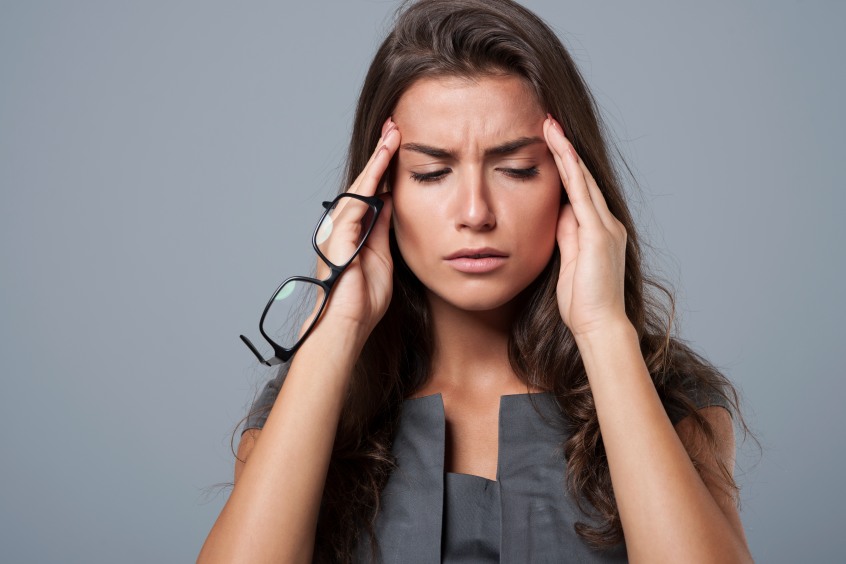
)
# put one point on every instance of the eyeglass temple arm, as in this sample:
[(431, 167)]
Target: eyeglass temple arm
[(261, 359)]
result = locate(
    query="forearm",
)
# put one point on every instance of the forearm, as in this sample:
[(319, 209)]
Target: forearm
[(271, 514), (667, 512)]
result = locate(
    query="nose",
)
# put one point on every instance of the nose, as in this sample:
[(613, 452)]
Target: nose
[(474, 206)]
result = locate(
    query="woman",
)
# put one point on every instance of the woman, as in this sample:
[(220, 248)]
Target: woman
[(491, 379)]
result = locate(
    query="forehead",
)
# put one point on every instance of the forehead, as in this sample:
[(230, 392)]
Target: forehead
[(454, 108)]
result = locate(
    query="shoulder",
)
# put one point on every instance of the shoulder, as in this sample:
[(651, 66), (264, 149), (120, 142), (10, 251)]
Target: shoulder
[(688, 383), (702, 390)]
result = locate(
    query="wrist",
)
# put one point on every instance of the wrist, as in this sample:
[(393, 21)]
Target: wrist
[(346, 336), (607, 351), (328, 355), (609, 331)]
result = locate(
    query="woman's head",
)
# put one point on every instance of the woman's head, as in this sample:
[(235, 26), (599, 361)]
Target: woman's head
[(483, 49), (473, 178)]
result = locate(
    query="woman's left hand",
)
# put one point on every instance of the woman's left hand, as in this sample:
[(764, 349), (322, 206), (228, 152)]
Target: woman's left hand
[(592, 243)]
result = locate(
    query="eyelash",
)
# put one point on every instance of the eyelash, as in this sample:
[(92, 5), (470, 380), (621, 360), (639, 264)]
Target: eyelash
[(438, 175)]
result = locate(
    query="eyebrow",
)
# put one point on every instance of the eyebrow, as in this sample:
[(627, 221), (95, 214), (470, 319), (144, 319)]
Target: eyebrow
[(504, 149)]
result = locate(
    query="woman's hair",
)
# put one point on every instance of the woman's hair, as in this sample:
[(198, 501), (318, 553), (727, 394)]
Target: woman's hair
[(473, 38)]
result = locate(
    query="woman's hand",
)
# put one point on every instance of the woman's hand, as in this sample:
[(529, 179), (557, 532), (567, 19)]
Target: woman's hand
[(592, 243), (272, 513), (363, 292)]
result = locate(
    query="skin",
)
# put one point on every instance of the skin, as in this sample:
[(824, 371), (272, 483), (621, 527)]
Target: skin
[(669, 512)]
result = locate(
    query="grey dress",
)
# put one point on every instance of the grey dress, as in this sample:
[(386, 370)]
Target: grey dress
[(526, 515)]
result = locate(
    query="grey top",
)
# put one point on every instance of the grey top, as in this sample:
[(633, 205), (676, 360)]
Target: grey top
[(526, 515)]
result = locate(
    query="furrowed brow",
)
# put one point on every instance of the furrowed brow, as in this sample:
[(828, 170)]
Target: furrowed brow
[(428, 150), (512, 146), (504, 149)]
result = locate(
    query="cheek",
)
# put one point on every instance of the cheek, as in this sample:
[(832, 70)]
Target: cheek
[(419, 214), (544, 205), (539, 224), (405, 219), (543, 234)]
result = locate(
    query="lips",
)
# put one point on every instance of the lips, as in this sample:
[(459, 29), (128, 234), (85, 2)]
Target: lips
[(485, 252), (476, 261)]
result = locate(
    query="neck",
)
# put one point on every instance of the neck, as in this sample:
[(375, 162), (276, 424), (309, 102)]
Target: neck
[(470, 348)]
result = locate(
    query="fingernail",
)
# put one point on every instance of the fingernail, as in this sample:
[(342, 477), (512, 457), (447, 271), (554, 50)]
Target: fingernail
[(555, 124), (559, 126), (572, 151), (385, 126)]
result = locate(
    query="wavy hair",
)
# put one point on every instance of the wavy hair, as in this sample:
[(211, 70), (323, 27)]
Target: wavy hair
[(473, 38)]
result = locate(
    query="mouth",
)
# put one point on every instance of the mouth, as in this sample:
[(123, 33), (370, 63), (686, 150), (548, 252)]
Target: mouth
[(477, 261), (476, 254)]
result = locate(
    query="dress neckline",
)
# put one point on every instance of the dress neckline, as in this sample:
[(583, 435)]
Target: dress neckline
[(524, 394), (507, 402)]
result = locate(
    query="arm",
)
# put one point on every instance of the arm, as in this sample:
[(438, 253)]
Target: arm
[(272, 512), (709, 461), (668, 513), (271, 515)]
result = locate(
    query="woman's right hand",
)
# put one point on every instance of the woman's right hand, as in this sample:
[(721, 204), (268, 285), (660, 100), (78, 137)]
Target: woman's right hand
[(272, 512), (361, 295)]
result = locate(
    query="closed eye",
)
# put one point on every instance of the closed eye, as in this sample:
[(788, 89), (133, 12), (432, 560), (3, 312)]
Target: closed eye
[(430, 176), (438, 175), (521, 173)]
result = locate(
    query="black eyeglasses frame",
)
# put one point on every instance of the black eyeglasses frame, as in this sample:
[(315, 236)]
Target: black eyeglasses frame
[(282, 354)]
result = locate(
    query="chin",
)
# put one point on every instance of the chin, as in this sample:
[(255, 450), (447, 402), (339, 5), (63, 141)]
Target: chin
[(473, 299)]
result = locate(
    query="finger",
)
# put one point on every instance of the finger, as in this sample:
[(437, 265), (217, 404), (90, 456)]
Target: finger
[(376, 171), (597, 198), (378, 240), (567, 235), (608, 220), (386, 128), (384, 141), (572, 176), (386, 125)]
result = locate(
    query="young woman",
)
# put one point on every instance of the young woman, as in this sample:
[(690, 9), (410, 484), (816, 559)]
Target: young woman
[(492, 377)]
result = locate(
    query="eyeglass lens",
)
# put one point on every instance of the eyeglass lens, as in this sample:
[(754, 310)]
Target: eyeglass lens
[(342, 230), (292, 311)]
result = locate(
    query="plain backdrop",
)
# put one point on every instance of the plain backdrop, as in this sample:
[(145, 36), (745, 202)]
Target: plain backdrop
[(162, 165)]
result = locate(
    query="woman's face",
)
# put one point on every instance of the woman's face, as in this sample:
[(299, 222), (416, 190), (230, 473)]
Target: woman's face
[(476, 192)]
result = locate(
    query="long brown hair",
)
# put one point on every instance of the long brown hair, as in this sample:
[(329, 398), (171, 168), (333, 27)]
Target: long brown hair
[(470, 38)]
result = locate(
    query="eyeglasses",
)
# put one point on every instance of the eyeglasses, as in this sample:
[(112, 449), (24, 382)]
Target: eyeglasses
[(296, 305)]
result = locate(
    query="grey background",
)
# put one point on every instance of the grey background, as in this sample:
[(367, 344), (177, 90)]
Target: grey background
[(162, 163)]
